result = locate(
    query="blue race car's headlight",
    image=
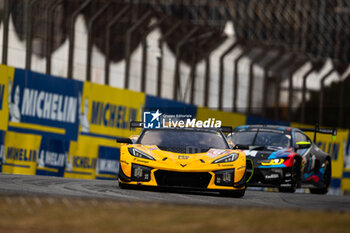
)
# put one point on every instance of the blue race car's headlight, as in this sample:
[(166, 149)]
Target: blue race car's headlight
[(139, 154), (227, 158)]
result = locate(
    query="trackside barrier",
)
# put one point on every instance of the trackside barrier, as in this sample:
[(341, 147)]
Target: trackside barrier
[(62, 127)]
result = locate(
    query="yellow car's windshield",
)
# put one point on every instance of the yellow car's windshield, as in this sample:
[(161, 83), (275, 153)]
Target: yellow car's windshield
[(198, 140)]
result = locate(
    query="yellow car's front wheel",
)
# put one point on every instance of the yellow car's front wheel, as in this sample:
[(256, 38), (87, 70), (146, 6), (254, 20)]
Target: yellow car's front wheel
[(236, 194), (121, 185)]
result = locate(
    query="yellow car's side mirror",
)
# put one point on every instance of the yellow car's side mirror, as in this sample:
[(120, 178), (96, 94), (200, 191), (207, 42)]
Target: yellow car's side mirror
[(124, 140), (230, 143)]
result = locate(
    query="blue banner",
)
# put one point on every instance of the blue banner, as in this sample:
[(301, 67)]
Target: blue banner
[(44, 105), (166, 106), (52, 157), (107, 163)]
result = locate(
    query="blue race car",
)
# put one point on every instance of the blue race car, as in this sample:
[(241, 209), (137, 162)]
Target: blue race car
[(284, 157)]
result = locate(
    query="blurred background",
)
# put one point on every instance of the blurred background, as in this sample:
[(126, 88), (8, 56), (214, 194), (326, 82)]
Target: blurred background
[(278, 59)]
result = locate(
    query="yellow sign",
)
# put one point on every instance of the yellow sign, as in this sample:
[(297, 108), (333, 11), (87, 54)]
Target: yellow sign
[(226, 118), (84, 161), (6, 77), (21, 153), (107, 111), (345, 185)]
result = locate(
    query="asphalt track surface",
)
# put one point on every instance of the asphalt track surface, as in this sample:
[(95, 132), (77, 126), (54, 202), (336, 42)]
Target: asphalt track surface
[(106, 189)]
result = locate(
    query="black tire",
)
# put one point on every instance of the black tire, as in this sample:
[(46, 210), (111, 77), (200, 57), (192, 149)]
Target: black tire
[(235, 194), (122, 186), (327, 180), (287, 189), (296, 178)]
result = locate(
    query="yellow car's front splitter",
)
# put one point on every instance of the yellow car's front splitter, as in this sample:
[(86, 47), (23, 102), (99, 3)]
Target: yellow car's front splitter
[(176, 170), (222, 178)]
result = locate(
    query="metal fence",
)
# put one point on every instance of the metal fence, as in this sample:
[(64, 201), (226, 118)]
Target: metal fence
[(286, 34)]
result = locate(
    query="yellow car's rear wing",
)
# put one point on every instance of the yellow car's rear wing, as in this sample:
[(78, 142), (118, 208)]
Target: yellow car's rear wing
[(136, 124), (226, 129), (139, 124)]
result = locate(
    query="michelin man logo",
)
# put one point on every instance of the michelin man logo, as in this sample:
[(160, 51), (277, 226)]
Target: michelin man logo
[(69, 163), (13, 106), (83, 115), (2, 154), (151, 120), (41, 160)]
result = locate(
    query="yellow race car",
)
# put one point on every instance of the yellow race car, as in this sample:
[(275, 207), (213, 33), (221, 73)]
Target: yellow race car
[(182, 158)]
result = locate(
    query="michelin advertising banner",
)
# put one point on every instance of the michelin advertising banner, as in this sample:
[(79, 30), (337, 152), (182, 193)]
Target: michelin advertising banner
[(227, 118), (21, 153), (92, 159), (2, 148), (345, 181), (6, 77), (60, 127), (104, 114), (43, 105), (52, 157)]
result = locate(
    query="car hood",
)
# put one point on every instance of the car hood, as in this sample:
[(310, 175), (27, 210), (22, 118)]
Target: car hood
[(256, 155), (205, 157)]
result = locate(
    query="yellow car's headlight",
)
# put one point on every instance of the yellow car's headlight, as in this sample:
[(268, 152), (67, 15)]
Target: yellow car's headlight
[(139, 154), (271, 162), (227, 158)]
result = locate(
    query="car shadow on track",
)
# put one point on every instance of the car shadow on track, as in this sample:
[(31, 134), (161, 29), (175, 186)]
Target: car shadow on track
[(177, 190)]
